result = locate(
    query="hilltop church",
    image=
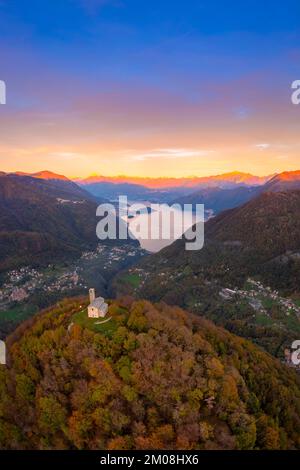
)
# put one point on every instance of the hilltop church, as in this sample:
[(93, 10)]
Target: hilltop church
[(97, 308)]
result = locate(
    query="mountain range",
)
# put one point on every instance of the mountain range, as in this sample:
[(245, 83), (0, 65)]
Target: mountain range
[(31, 205), (219, 199), (166, 189), (224, 180), (217, 193)]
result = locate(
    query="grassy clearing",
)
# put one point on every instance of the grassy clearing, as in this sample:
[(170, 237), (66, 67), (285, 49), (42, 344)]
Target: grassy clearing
[(292, 322), (107, 328), (132, 279), (18, 313), (263, 320), (267, 302)]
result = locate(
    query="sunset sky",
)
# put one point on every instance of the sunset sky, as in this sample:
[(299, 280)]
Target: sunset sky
[(149, 88)]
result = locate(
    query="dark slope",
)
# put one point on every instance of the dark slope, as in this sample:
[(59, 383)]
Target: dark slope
[(218, 199), (286, 181), (42, 220), (50, 183)]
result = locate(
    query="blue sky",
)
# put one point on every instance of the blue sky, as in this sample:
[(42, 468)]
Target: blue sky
[(101, 85)]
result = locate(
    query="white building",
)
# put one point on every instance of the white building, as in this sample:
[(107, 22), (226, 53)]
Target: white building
[(97, 308)]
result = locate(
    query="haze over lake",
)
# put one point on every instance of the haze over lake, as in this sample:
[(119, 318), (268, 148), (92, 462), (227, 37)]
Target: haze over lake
[(153, 220)]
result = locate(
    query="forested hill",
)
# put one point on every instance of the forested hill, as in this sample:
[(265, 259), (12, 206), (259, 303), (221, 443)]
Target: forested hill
[(152, 377), (42, 220)]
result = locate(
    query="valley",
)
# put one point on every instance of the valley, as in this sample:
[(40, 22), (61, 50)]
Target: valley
[(211, 362), (26, 290), (253, 310), (227, 281), (246, 278)]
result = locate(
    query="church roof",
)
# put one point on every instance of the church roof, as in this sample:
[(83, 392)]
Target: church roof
[(98, 303)]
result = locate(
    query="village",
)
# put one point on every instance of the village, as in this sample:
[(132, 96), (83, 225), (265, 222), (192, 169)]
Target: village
[(20, 284), (258, 295)]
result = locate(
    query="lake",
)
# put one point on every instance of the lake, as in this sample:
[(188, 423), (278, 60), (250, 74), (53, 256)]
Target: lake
[(156, 229)]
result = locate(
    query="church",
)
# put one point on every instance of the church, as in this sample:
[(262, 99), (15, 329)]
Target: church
[(97, 307)]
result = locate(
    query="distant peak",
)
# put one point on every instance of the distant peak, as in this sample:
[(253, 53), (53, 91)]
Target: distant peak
[(289, 175), (44, 174), (48, 175)]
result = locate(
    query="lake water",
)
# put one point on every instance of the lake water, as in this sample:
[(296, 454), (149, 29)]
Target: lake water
[(153, 229)]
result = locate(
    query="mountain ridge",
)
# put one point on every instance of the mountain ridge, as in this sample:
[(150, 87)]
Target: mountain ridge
[(44, 219), (235, 177)]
